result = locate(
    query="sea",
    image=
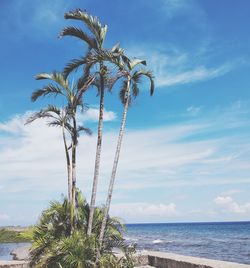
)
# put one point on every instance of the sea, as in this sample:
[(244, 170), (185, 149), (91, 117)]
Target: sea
[(228, 241)]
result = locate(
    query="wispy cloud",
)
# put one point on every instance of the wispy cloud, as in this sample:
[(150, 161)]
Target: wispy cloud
[(41, 16), (175, 67), (144, 212), (227, 203), (193, 111), (172, 8), (32, 158), (4, 217), (199, 73), (92, 115), (17, 123)]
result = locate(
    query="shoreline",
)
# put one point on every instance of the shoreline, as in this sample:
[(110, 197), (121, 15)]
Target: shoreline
[(143, 258)]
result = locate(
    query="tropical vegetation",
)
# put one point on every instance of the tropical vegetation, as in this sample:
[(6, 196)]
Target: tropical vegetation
[(54, 245), (75, 233), (12, 235)]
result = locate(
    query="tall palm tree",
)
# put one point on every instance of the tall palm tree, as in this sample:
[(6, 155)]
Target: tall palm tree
[(132, 79), (73, 96), (95, 48), (57, 117)]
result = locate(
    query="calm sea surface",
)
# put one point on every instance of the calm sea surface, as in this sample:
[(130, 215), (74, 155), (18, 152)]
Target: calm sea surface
[(223, 241)]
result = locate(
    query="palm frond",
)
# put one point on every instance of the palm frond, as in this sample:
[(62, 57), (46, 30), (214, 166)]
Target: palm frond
[(135, 62), (105, 55), (85, 77), (92, 22), (111, 80), (86, 130), (149, 75), (55, 76), (47, 90), (53, 109), (126, 60), (42, 76), (78, 33), (55, 123), (116, 49), (60, 79), (73, 65), (124, 93), (32, 118), (135, 89)]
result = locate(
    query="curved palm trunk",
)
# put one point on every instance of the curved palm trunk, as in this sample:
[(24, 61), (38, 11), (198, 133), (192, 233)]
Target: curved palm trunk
[(98, 156), (68, 163), (116, 159), (73, 190)]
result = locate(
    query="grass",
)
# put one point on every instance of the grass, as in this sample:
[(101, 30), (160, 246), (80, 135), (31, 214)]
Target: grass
[(12, 236)]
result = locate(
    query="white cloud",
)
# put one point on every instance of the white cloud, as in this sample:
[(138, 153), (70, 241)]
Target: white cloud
[(227, 203), (195, 74), (32, 162), (232, 192), (144, 212), (92, 114), (176, 67), (15, 124), (4, 217), (172, 8), (193, 111)]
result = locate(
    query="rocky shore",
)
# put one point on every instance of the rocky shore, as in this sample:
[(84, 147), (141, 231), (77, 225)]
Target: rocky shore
[(21, 253)]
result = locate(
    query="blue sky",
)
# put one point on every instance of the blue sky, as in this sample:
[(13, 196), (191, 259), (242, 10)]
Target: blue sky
[(186, 153)]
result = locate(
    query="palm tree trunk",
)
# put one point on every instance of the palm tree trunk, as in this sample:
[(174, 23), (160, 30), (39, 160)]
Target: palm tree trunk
[(73, 159), (68, 163), (98, 154), (116, 159)]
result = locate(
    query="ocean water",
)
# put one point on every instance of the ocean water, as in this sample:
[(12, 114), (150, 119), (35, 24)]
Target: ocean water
[(222, 241), (6, 248), (228, 241)]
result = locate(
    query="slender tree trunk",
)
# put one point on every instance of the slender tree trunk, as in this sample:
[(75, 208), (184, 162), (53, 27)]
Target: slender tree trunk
[(73, 193), (98, 154), (116, 159), (68, 163)]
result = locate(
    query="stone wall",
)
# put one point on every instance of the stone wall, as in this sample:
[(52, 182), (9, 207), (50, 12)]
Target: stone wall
[(14, 264), (170, 260)]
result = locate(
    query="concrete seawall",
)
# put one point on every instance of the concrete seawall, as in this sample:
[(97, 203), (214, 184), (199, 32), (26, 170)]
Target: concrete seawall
[(14, 264), (170, 260), (159, 260)]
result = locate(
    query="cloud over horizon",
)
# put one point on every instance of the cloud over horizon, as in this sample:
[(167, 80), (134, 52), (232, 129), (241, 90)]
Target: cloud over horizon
[(160, 158)]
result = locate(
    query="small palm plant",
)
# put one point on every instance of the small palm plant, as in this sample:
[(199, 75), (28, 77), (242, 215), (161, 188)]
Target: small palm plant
[(55, 246)]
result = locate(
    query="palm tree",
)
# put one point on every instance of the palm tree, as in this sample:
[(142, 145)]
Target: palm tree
[(58, 117), (132, 79), (73, 95), (95, 45)]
